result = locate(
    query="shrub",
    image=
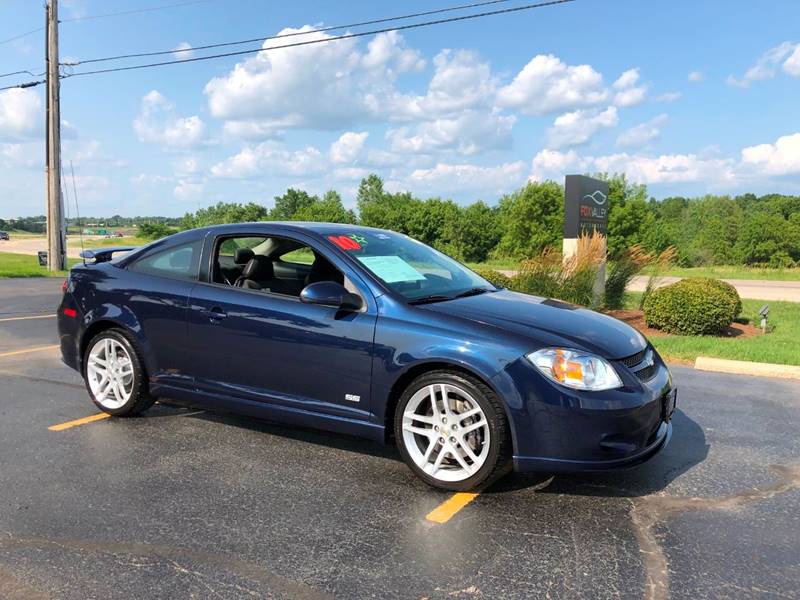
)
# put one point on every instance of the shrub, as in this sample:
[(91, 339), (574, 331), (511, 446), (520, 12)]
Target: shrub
[(620, 273), (571, 280), (724, 287), (689, 308), (496, 278), (154, 231)]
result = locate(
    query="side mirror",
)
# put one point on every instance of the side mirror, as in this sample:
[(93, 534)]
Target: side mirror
[(330, 293)]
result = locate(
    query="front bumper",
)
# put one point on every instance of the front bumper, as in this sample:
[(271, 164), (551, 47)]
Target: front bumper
[(557, 429)]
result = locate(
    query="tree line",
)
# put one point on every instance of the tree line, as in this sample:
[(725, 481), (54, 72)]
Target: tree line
[(707, 230)]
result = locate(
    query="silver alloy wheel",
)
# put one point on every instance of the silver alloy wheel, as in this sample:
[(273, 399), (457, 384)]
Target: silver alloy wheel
[(446, 432), (109, 371)]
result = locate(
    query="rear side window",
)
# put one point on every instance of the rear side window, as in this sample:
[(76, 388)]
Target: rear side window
[(178, 262)]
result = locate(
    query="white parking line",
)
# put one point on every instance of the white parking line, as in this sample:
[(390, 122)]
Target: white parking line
[(27, 318)]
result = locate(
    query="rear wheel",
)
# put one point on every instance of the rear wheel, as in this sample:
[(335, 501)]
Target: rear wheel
[(452, 431), (114, 375)]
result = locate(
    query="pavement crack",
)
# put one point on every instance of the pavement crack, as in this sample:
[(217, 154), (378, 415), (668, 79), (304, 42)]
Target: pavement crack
[(174, 556), (648, 511)]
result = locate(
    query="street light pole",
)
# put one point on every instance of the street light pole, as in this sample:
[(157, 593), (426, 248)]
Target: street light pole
[(55, 209)]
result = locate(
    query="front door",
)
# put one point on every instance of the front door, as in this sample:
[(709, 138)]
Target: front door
[(256, 344)]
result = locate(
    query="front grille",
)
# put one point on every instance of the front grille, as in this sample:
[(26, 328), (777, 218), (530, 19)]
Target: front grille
[(647, 373), (634, 360)]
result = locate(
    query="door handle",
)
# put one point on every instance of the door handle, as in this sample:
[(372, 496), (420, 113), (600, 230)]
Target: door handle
[(215, 314)]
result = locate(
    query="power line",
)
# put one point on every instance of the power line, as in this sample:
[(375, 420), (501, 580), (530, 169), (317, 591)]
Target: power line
[(20, 73), (329, 39), (22, 35), (28, 84), (296, 33), (133, 11)]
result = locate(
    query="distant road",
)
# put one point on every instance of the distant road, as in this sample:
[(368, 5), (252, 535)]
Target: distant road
[(31, 245), (747, 288)]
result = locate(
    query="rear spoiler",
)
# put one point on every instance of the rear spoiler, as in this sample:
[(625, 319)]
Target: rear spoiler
[(100, 255)]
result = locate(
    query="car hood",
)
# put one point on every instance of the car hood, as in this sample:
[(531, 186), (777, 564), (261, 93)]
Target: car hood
[(547, 321)]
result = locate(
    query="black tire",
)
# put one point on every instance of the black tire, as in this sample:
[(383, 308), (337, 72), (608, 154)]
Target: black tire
[(140, 399), (499, 453)]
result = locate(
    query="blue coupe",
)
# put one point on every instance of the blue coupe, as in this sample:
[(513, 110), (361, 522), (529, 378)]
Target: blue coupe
[(370, 333)]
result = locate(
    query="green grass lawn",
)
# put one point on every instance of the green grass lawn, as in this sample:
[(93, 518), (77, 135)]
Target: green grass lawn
[(734, 272), (779, 346), (719, 272), (74, 241), (25, 265)]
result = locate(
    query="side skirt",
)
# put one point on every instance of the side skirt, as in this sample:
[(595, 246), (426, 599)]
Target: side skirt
[(273, 412)]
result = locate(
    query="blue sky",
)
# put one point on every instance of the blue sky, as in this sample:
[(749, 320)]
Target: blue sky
[(687, 97)]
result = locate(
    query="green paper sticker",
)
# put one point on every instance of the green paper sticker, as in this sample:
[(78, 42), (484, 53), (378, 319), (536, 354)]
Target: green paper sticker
[(392, 269)]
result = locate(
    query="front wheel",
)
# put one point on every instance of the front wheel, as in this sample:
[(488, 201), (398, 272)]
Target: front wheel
[(114, 375), (452, 431)]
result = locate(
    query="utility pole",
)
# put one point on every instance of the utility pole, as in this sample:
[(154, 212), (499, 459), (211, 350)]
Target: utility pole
[(55, 208)]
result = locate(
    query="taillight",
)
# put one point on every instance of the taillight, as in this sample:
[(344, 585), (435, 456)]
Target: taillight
[(71, 312), (64, 286)]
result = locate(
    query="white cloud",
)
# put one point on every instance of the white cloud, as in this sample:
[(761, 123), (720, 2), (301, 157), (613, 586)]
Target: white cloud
[(696, 76), (322, 86), (347, 148), (630, 97), (668, 97), (780, 158), (157, 123), (186, 166), (629, 94), (766, 66), (577, 127), (792, 64), (148, 179), (20, 113), (663, 169), (548, 85), (188, 189), (473, 179), (627, 79), (469, 133), (643, 133), (183, 51), (253, 161), (251, 130)]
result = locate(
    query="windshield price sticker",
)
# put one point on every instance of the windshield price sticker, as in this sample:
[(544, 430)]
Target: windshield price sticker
[(392, 269)]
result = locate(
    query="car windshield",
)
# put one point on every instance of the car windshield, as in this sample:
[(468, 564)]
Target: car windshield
[(412, 269)]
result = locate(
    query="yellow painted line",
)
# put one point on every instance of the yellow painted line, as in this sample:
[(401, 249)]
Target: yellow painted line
[(27, 350), (450, 507), (76, 422), (27, 318)]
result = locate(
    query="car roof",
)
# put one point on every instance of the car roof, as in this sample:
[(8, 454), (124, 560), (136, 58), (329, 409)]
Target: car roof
[(307, 226)]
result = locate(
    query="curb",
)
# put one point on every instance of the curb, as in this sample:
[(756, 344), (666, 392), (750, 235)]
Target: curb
[(742, 367)]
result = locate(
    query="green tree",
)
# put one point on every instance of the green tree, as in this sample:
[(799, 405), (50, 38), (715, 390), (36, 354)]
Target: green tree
[(290, 203), (329, 209), (768, 238), (472, 234), (225, 212), (530, 219)]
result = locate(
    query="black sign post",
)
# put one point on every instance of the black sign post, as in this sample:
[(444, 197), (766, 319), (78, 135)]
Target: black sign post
[(585, 211), (585, 206)]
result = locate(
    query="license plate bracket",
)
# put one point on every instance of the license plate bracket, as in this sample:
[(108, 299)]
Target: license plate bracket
[(668, 404)]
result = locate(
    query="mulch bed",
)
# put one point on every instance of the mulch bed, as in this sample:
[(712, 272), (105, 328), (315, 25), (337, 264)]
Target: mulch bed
[(635, 318)]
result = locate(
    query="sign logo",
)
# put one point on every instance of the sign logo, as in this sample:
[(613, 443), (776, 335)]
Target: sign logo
[(598, 197)]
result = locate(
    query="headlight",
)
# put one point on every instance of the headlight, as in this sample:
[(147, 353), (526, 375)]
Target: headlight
[(575, 369)]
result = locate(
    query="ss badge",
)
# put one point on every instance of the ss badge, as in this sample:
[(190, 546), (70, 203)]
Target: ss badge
[(352, 398)]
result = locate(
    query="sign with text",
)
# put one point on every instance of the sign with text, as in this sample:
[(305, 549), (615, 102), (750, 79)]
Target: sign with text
[(585, 206)]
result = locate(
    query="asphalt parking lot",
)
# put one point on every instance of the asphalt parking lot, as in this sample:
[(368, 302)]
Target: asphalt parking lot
[(183, 503)]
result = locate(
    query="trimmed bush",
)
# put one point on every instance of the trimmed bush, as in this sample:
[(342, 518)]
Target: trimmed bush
[(496, 278), (724, 287), (689, 308)]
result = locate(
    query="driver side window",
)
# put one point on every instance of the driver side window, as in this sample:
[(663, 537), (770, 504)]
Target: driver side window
[(270, 265)]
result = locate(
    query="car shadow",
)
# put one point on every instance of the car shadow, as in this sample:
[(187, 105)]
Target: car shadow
[(687, 448)]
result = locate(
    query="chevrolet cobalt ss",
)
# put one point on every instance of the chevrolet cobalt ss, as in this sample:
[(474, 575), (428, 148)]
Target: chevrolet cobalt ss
[(370, 333)]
